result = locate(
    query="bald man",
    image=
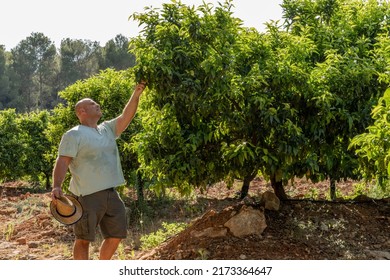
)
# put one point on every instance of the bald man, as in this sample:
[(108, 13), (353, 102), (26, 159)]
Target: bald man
[(89, 151)]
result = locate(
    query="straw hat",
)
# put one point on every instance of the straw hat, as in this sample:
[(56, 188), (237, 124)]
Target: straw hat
[(66, 210)]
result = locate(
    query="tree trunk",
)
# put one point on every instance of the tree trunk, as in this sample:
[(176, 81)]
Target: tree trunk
[(48, 185), (140, 187), (332, 189), (245, 186), (278, 188)]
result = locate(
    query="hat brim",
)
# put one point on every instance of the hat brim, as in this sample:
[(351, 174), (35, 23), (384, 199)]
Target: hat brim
[(70, 219)]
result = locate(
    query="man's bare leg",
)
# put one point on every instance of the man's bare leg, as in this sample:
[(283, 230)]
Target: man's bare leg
[(81, 249), (108, 248)]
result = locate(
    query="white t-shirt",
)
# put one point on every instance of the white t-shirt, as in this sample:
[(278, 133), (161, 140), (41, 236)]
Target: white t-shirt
[(96, 163)]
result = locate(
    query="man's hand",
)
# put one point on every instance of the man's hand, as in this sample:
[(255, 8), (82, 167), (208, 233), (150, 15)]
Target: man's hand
[(56, 193), (140, 87)]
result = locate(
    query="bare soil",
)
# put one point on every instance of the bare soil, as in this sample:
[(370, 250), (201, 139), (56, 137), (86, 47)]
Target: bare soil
[(303, 229)]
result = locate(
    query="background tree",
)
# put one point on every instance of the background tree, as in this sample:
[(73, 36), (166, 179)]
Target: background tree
[(4, 79), (11, 148), (24, 146), (117, 55), (33, 61), (79, 60), (35, 163), (47, 77)]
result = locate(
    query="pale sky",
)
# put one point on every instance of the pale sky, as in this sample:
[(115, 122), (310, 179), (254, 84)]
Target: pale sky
[(102, 20)]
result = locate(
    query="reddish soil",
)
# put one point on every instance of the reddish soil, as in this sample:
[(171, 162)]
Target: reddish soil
[(303, 228)]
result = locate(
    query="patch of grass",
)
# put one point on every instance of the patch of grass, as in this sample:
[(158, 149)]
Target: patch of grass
[(30, 206), (313, 193), (377, 192), (203, 254), (121, 255), (360, 188), (154, 239), (59, 249), (9, 231), (369, 189)]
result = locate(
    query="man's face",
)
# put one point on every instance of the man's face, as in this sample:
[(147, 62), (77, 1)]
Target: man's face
[(92, 108)]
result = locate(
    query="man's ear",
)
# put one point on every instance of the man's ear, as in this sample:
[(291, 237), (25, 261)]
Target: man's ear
[(80, 111)]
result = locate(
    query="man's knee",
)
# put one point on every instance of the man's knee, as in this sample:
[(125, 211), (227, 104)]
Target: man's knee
[(112, 240), (82, 242)]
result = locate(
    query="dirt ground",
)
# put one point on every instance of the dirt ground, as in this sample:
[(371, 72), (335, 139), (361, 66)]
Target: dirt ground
[(304, 228)]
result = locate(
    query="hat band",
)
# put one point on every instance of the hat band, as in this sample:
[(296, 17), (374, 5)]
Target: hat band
[(67, 216)]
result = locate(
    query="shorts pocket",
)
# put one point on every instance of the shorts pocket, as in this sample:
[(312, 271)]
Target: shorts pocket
[(81, 228)]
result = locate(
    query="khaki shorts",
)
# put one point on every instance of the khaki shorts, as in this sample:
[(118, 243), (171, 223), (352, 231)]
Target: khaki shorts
[(105, 209)]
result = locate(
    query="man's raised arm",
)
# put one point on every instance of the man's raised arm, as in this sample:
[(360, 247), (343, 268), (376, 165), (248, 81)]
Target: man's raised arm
[(128, 113)]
